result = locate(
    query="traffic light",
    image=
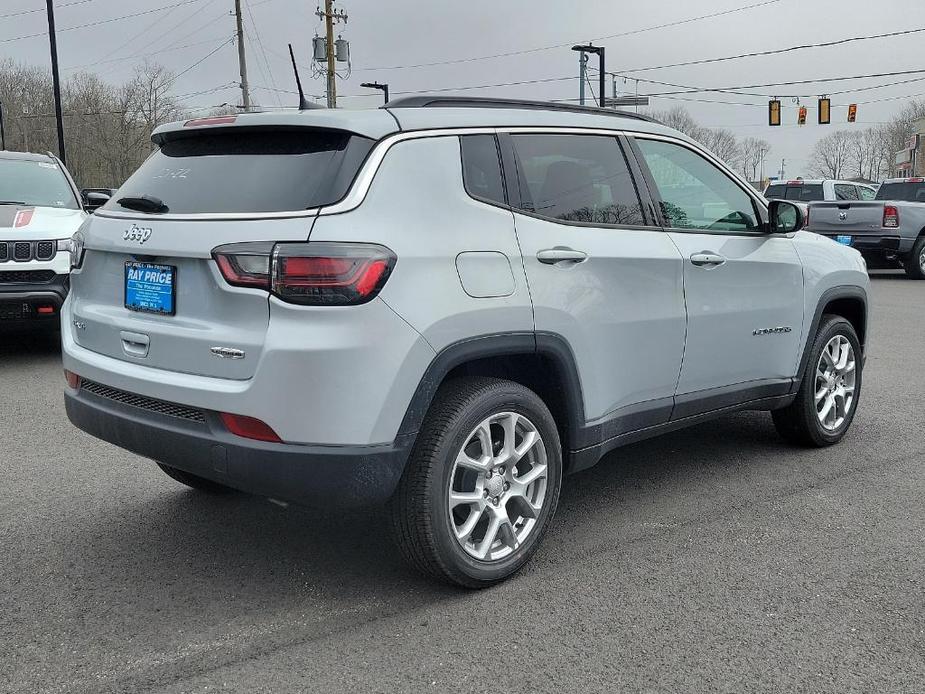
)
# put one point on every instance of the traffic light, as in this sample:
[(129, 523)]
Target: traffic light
[(825, 111), (852, 113), (801, 118), (774, 112)]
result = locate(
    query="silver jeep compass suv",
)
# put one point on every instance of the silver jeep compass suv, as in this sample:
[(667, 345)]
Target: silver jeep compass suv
[(446, 304)]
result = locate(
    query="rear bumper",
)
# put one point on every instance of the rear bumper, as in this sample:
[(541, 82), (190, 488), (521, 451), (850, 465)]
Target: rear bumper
[(306, 474), (27, 303), (876, 244)]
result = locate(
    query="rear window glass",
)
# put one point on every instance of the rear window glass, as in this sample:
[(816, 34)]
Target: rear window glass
[(775, 192), (807, 192), (904, 191), (247, 171)]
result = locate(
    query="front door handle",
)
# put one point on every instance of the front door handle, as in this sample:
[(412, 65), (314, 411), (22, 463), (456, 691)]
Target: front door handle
[(707, 259), (561, 254)]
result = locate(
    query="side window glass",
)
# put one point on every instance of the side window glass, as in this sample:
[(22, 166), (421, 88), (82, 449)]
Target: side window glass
[(844, 191), (695, 193), (482, 167), (577, 178), (867, 193)]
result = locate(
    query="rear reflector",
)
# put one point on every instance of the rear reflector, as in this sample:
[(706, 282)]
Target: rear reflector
[(45, 310), (73, 380), (890, 217), (249, 428)]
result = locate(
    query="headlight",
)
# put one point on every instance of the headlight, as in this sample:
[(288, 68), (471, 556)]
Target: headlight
[(76, 247), (64, 245)]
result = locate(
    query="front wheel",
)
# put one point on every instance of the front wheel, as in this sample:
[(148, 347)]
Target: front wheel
[(915, 261), (482, 483), (828, 397)]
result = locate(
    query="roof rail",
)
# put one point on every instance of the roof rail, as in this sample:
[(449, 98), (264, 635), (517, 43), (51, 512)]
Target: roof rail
[(492, 102)]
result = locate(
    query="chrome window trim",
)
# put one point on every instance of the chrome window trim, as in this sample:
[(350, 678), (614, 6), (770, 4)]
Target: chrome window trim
[(363, 181)]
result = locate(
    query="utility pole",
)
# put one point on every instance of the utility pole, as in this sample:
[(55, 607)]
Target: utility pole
[(2, 133), (330, 16), (783, 162), (602, 75), (242, 60), (56, 80), (384, 88), (582, 76)]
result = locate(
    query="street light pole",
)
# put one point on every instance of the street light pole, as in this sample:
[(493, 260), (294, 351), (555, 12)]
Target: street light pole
[(56, 80), (2, 132), (602, 76), (384, 88)]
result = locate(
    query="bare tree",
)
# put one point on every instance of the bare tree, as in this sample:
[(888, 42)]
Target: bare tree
[(680, 119), (723, 144), (754, 151), (832, 155)]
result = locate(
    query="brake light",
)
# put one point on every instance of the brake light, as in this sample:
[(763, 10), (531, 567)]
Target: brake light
[(890, 217), (249, 428), (211, 120), (73, 380), (311, 274)]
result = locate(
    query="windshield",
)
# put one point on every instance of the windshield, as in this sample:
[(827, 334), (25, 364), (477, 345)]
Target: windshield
[(247, 171), (38, 183), (905, 191)]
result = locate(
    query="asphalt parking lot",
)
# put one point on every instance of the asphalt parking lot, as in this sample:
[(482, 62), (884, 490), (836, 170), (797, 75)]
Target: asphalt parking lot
[(715, 559)]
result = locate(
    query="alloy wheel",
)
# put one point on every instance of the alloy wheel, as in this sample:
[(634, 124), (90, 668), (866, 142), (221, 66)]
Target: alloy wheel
[(835, 383), (498, 486)]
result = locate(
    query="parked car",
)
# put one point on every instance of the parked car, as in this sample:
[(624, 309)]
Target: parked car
[(40, 210), (888, 231), (446, 305), (818, 190)]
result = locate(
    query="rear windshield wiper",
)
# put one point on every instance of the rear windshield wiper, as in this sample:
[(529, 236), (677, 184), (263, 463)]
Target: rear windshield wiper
[(144, 203), (12, 202)]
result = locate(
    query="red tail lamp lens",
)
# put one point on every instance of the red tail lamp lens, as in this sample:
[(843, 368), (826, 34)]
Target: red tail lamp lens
[(73, 380), (249, 428), (890, 217), (331, 274)]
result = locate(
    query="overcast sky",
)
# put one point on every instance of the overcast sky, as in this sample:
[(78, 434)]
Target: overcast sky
[(388, 37)]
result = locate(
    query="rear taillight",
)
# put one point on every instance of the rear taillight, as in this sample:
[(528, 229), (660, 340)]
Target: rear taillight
[(890, 217), (311, 274), (73, 380), (249, 428)]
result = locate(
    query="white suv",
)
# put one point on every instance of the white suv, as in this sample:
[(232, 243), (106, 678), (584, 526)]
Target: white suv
[(40, 209), (446, 305)]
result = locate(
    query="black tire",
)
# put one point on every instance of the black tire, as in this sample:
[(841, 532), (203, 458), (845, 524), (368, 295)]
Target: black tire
[(195, 481), (914, 261), (419, 515), (798, 423)]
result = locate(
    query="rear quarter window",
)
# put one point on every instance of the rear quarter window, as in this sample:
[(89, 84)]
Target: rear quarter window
[(241, 171)]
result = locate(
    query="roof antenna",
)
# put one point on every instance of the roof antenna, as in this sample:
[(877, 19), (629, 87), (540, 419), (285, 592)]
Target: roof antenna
[(303, 104)]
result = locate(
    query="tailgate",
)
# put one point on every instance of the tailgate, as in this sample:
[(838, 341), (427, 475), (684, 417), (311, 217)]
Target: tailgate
[(852, 217)]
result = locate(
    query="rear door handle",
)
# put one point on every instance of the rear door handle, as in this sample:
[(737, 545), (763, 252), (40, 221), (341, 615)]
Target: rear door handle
[(707, 259), (560, 254)]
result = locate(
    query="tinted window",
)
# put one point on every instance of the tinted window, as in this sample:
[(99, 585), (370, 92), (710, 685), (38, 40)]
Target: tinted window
[(241, 171), (843, 191), (482, 167), (577, 178), (40, 183), (777, 192), (695, 193), (809, 192), (903, 190)]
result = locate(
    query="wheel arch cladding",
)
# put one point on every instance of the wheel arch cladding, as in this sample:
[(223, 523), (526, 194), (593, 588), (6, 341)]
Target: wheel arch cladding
[(542, 362), (847, 301)]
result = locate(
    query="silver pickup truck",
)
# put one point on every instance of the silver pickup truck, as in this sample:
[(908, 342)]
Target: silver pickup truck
[(889, 230)]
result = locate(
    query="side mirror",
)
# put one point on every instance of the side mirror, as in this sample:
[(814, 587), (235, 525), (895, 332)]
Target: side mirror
[(785, 217), (93, 199)]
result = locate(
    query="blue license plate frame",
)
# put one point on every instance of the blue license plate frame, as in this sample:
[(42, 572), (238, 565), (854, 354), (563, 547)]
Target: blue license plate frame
[(150, 288)]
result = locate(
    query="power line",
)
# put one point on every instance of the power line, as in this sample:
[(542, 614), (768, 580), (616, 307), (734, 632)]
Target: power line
[(508, 54), (263, 51), (22, 13), (101, 21), (777, 51), (163, 50), (172, 80)]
